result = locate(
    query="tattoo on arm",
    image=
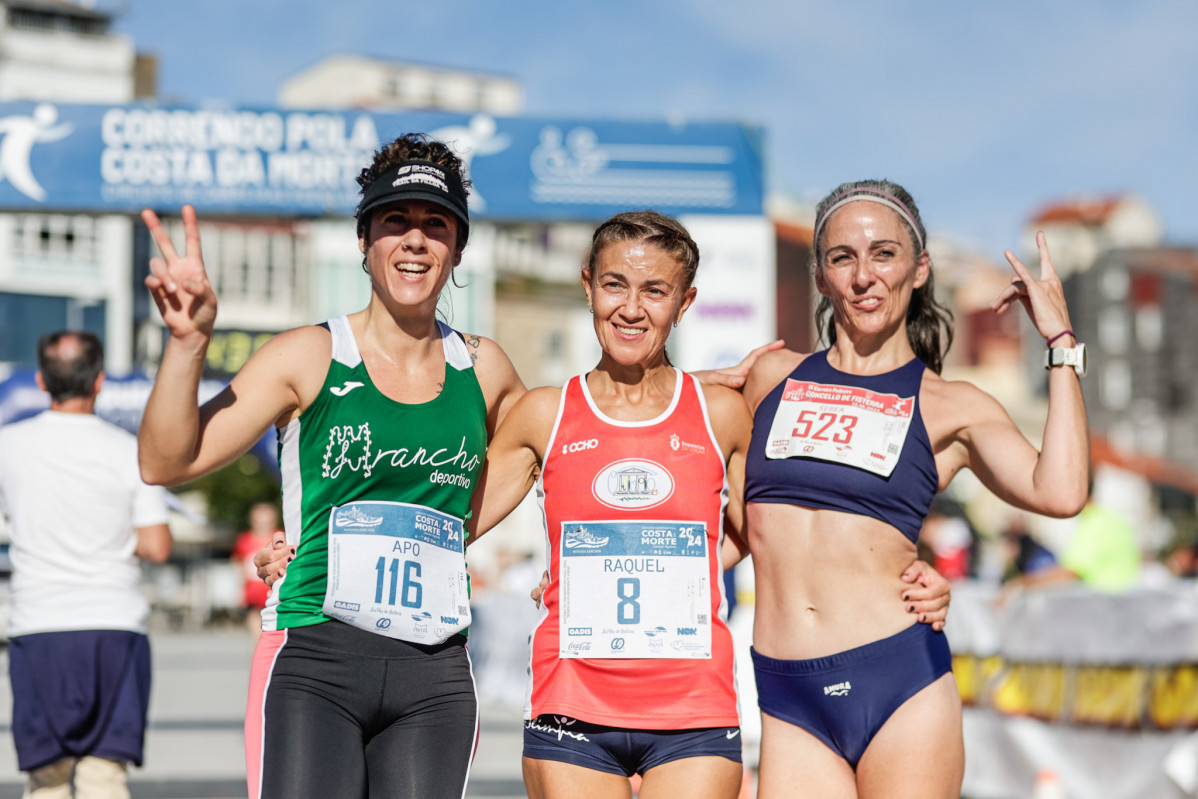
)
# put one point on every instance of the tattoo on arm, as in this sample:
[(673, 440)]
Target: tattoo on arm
[(473, 342)]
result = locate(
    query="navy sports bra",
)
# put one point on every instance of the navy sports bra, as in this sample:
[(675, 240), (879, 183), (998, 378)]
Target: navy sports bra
[(901, 499)]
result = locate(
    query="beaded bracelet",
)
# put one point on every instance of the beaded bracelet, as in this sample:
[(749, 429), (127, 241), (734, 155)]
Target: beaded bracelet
[(1059, 335)]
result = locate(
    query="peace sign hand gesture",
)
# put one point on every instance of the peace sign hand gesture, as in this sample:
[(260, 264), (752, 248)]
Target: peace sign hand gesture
[(179, 284), (1043, 299)]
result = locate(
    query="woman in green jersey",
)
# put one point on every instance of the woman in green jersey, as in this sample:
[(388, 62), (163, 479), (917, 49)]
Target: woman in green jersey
[(361, 684)]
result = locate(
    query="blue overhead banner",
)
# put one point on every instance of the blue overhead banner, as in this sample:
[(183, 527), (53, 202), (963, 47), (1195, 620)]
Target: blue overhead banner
[(121, 158)]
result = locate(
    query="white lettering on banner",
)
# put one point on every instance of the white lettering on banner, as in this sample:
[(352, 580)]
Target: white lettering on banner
[(309, 170), (328, 132), (156, 167), (238, 168), (243, 150), (195, 130)]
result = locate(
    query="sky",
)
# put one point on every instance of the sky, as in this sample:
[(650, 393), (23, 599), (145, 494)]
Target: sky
[(986, 110)]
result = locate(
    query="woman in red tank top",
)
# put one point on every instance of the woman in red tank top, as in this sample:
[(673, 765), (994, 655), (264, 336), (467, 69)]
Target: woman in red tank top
[(641, 469)]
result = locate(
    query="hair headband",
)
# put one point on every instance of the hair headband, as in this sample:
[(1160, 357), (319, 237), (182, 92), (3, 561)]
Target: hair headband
[(873, 196)]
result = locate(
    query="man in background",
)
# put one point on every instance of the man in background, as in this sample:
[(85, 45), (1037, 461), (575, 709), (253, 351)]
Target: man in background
[(79, 518)]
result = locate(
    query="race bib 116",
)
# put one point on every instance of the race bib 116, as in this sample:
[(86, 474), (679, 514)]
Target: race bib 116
[(398, 570)]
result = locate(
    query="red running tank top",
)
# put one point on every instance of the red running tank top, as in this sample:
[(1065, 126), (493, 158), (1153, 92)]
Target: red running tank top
[(632, 633)]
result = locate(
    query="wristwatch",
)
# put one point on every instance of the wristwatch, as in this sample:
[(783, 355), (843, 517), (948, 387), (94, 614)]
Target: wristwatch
[(1067, 356)]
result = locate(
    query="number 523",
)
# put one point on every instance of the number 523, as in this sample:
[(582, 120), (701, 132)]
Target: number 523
[(839, 425)]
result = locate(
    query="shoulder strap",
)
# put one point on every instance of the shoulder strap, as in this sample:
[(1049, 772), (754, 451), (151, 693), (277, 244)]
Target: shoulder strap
[(457, 354), (345, 348)]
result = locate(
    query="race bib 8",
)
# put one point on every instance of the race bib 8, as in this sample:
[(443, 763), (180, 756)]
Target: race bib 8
[(397, 570), (634, 590), (842, 424)]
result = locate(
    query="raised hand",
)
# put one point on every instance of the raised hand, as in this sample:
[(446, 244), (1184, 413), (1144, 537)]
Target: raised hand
[(1043, 299), (179, 284)]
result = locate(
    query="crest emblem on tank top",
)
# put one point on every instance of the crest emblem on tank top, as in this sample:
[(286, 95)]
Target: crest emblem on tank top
[(633, 484)]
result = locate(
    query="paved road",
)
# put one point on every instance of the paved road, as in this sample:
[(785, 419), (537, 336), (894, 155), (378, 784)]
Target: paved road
[(194, 744)]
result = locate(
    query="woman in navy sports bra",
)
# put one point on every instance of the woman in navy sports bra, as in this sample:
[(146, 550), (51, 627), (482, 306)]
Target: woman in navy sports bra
[(849, 447)]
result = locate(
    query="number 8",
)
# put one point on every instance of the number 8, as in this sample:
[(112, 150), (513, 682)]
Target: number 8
[(628, 590)]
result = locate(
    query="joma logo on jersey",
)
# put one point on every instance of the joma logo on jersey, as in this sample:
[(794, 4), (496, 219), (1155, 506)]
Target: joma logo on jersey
[(342, 390), (632, 484)]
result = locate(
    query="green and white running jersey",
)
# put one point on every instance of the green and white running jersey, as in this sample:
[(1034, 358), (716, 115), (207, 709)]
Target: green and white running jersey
[(375, 493)]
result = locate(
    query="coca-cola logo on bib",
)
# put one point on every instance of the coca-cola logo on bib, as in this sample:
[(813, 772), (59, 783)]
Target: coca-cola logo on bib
[(633, 484)]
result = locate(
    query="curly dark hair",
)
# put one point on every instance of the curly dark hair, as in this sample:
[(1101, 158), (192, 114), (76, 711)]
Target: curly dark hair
[(412, 147), (926, 318)]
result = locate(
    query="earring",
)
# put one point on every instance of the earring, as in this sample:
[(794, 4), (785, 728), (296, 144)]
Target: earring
[(675, 324), (590, 310)]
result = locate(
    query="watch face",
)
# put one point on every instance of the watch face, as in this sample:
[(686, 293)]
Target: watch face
[(1072, 356)]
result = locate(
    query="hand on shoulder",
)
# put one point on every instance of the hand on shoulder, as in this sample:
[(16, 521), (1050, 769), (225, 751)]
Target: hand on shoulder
[(767, 372)]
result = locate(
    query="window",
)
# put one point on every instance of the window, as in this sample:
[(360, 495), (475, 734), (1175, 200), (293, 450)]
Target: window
[(56, 236), (262, 265)]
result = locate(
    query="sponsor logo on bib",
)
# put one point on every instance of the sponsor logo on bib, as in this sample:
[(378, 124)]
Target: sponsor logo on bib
[(355, 518), (633, 484), (581, 538)]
